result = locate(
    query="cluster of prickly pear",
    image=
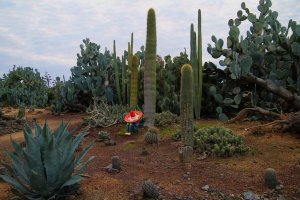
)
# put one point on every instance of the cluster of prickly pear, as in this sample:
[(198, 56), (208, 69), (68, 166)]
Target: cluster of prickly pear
[(150, 70), (267, 57)]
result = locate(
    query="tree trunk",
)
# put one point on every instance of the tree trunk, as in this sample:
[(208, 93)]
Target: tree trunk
[(280, 91)]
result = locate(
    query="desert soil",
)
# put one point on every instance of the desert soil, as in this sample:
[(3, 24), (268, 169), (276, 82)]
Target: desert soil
[(231, 176)]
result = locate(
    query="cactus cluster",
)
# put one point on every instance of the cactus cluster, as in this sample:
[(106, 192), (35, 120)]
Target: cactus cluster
[(165, 119), (267, 57), (103, 136), (196, 62), (219, 141)]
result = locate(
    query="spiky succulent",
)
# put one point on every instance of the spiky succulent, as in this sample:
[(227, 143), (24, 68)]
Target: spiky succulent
[(47, 167)]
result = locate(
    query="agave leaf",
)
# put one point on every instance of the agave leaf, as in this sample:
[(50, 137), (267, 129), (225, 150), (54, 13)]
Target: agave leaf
[(38, 184), (17, 147), (52, 164), (17, 166), (73, 180), (35, 164), (82, 167), (83, 153), (77, 141), (15, 184), (60, 131), (37, 129), (47, 133)]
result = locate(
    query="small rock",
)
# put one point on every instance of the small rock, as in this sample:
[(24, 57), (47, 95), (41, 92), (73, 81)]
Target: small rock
[(205, 188), (279, 187), (250, 196)]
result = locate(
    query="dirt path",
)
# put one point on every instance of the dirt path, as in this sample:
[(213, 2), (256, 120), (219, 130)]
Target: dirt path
[(234, 175)]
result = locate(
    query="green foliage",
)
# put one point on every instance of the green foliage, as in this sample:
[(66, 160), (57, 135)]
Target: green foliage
[(101, 114), (186, 105), (269, 51), (219, 141), (151, 137), (47, 167), (150, 70), (165, 119), (23, 85), (103, 135), (94, 76)]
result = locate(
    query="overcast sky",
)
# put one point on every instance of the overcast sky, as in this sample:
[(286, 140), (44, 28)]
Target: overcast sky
[(46, 34)]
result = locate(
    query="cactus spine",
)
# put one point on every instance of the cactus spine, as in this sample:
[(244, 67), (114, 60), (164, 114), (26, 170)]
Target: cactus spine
[(134, 82), (150, 70), (115, 64), (196, 61), (186, 105)]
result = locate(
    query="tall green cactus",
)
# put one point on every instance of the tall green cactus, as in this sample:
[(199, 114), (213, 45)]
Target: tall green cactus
[(186, 105), (150, 70), (117, 74), (134, 82), (196, 61), (129, 59), (200, 69), (124, 80)]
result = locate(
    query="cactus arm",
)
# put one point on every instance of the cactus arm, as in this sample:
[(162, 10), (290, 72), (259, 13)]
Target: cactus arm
[(117, 74), (200, 61), (134, 82)]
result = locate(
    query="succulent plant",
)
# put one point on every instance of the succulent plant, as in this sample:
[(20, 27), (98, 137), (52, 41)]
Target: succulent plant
[(151, 136), (219, 141), (186, 105), (165, 119), (271, 178), (47, 167), (103, 135), (116, 162), (150, 190), (117, 79), (186, 154), (134, 82), (150, 70)]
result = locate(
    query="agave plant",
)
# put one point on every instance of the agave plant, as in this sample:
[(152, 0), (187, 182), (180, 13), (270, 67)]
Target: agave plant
[(47, 167)]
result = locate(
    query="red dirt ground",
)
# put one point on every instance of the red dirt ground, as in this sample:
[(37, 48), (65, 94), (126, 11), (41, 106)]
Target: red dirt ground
[(233, 175)]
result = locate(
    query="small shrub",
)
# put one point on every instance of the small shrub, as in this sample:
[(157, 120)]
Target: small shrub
[(219, 141), (46, 167), (165, 119), (103, 135)]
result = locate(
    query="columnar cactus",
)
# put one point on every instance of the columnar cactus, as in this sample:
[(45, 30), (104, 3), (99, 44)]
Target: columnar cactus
[(150, 70), (186, 105), (134, 82), (200, 69), (117, 74), (124, 80), (196, 61)]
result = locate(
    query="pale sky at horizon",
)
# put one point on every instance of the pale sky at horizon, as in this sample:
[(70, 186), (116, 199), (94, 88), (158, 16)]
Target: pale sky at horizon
[(46, 34)]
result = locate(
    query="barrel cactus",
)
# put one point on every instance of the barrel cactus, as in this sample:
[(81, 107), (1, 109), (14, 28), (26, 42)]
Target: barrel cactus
[(46, 167), (150, 190), (270, 178), (186, 154), (115, 162), (151, 136)]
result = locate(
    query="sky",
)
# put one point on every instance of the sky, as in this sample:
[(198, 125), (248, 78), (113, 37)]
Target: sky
[(46, 35)]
